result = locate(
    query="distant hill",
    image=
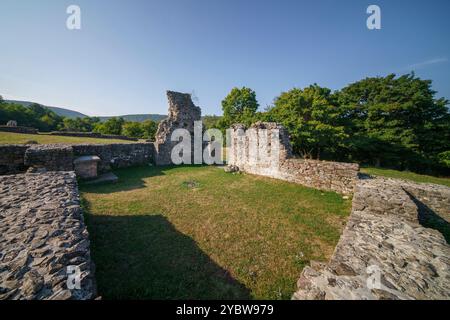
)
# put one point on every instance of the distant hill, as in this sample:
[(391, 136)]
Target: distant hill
[(138, 117), (75, 114), (59, 111)]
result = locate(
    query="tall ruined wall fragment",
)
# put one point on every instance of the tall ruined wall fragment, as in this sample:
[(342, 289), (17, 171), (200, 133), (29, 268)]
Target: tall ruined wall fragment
[(182, 114)]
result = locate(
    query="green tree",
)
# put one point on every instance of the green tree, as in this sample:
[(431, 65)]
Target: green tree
[(312, 118), (239, 106), (149, 128), (111, 126), (132, 129), (395, 121)]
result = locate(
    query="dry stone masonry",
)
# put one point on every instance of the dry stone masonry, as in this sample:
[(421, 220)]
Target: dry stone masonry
[(42, 232), (19, 158), (182, 114), (325, 175), (384, 251)]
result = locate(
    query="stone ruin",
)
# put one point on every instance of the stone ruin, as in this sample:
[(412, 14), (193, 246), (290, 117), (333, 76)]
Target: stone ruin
[(385, 251), (182, 114), (251, 151)]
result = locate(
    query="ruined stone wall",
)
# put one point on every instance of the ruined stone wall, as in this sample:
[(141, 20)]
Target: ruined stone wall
[(42, 233), (114, 156), (182, 114), (12, 158), (385, 252), (18, 129), (59, 157), (325, 175)]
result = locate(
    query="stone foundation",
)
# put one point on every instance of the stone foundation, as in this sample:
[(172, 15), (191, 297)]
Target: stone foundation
[(384, 251), (42, 233)]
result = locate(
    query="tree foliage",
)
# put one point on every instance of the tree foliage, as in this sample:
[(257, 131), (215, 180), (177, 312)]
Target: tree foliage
[(239, 106), (312, 118)]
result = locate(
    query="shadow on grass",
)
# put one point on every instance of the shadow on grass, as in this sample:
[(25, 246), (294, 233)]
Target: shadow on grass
[(145, 257), (131, 178)]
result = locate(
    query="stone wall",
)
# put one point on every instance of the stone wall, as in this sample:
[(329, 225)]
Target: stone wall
[(91, 135), (19, 129), (42, 233), (12, 158), (182, 114), (252, 151), (113, 156), (18, 158), (385, 252), (52, 157)]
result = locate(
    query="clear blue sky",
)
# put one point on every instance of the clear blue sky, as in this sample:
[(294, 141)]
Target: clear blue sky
[(129, 52)]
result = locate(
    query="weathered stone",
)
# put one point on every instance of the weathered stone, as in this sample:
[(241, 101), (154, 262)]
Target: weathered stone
[(251, 151), (384, 244), (182, 114), (45, 208), (86, 166)]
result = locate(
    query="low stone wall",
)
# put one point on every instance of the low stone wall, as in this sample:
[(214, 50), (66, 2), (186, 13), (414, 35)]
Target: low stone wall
[(91, 135), (52, 157), (42, 234), (12, 158), (19, 129), (117, 155), (18, 158), (384, 251), (253, 151)]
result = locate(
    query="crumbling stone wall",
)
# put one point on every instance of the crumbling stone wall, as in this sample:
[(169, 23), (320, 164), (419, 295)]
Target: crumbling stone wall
[(12, 158), (52, 157), (117, 155), (384, 251), (325, 175), (42, 233), (182, 114), (18, 158)]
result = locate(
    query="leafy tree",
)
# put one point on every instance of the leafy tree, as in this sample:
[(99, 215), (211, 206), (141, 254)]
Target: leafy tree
[(239, 106), (149, 128), (132, 129), (111, 126), (313, 119), (395, 121)]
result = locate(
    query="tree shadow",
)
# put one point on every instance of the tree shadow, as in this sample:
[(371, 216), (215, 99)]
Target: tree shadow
[(428, 218), (146, 257)]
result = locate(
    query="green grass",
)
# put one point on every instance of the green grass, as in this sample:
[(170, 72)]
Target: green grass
[(196, 232), (406, 175), (19, 138)]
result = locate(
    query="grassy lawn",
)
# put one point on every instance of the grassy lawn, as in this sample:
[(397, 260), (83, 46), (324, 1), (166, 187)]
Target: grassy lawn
[(406, 175), (19, 138), (196, 232)]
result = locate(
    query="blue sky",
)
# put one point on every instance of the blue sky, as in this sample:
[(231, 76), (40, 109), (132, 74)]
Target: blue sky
[(129, 52)]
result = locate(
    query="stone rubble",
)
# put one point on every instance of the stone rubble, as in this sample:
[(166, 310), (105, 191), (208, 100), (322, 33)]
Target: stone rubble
[(42, 232)]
